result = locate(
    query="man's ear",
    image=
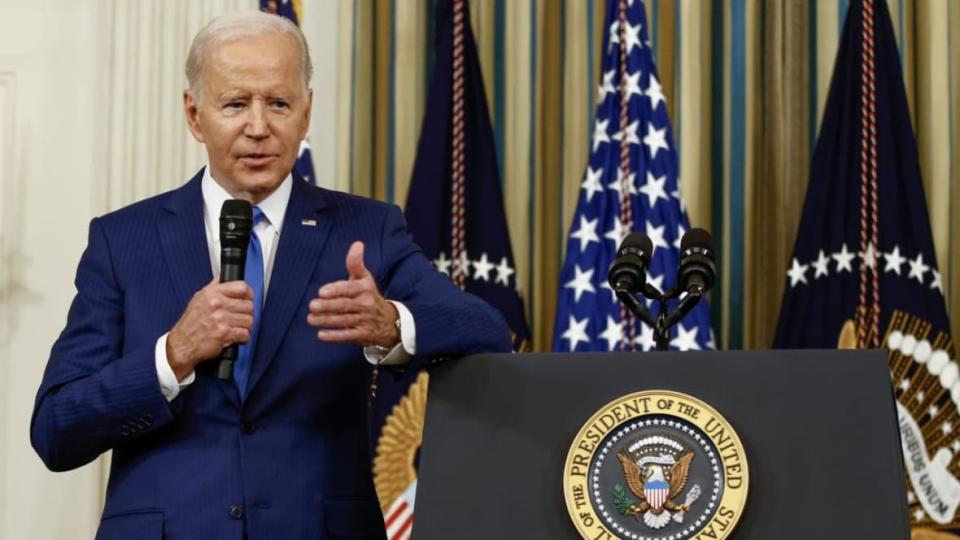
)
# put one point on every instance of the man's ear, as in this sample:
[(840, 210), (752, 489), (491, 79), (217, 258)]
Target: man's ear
[(191, 110), (306, 114)]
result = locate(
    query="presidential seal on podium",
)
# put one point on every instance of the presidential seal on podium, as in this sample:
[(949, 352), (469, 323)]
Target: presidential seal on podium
[(656, 465)]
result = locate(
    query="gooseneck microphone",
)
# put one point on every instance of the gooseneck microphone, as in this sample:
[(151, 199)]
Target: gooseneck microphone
[(695, 276), (236, 223), (697, 267), (629, 269)]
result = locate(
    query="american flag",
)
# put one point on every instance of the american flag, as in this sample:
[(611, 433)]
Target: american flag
[(588, 313)]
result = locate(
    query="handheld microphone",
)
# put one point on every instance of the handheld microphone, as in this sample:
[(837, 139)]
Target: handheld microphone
[(628, 272), (236, 223), (697, 269)]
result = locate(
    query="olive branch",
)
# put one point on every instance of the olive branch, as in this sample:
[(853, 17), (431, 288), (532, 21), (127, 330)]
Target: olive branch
[(621, 501)]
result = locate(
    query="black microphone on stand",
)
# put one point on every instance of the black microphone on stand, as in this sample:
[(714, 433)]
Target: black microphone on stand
[(236, 223), (628, 274), (697, 272)]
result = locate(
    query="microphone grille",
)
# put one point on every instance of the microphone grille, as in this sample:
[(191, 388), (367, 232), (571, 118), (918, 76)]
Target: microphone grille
[(236, 209), (697, 238), (637, 240)]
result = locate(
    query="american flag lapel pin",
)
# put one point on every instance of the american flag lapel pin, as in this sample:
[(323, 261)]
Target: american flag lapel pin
[(308, 222)]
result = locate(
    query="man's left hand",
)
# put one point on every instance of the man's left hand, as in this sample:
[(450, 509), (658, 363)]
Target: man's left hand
[(352, 310)]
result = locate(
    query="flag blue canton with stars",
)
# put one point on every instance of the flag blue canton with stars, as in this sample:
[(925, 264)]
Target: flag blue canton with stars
[(588, 313)]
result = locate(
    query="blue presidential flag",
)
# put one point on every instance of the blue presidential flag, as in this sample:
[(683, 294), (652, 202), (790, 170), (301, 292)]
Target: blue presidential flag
[(864, 270), (293, 10), (588, 313), (455, 213)]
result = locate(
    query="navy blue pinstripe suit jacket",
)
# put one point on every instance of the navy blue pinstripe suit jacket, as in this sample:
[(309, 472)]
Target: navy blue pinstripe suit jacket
[(292, 459)]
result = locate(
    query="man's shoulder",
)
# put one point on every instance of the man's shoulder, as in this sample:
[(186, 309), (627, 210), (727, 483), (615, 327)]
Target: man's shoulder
[(141, 212), (351, 204)]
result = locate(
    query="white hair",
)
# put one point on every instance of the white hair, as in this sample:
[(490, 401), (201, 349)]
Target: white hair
[(236, 26)]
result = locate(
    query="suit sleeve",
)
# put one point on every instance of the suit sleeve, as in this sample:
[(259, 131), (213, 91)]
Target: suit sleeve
[(448, 321), (94, 395)]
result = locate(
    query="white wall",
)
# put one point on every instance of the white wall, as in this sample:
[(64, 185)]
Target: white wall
[(89, 121)]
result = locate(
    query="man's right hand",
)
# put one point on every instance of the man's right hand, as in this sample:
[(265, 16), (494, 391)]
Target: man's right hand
[(218, 315)]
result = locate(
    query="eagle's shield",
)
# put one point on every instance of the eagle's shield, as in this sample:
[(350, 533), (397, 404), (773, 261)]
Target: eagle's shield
[(656, 493)]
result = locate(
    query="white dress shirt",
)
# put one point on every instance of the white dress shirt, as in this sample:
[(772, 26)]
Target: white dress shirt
[(274, 208)]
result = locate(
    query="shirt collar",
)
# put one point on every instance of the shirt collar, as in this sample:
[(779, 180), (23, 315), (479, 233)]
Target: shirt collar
[(274, 207)]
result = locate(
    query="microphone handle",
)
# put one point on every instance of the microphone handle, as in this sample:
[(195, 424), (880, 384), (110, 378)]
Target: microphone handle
[(231, 269)]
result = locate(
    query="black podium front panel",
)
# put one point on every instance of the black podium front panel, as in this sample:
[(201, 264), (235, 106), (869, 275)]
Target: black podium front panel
[(819, 429)]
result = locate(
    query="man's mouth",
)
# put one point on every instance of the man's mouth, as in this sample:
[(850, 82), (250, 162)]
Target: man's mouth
[(257, 160)]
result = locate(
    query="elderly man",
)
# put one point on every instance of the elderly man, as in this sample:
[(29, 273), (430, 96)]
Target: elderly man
[(334, 284)]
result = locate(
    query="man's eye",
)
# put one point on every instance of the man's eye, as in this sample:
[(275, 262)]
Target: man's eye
[(234, 105), (281, 104)]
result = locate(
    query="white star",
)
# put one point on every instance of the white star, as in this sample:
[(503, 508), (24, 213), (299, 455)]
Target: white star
[(797, 272), (918, 269), (655, 140), (955, 446), (617, 233), (933, 410), (632, 84), (870, 257), (633, 37), (894, 261), (654, 92), (604, 284), (676, 195), (580, 282), (613, 333), (614, 34), (587, 232), (617, 185), (653, 189), (645, 340), (482, 267), (504, 272), (656, 281), (576, 332), (462, 264), (656, 235), (680, 233), (920, 396), (442, 263), (935, 284), (918, 514), (905, 385), (591, 182), (911, 498), (820, 265), (600, 133), (685, 341), (946, 428), (631, 133), (712, 344), (843, 259), (607, 86)]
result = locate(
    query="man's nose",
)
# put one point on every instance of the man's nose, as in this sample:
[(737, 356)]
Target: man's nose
[(257, 127)]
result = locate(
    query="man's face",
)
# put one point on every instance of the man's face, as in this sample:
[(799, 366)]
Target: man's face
[(252, 114)]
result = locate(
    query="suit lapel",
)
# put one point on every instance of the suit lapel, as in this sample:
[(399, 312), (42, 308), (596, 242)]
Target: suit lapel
[(301, 239), (184, 243)]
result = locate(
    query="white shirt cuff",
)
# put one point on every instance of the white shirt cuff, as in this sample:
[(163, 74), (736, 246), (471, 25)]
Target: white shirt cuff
[(401, 353), (170, 387)]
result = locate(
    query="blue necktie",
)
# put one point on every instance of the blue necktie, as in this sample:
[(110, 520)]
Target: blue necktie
[(253, 275)]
